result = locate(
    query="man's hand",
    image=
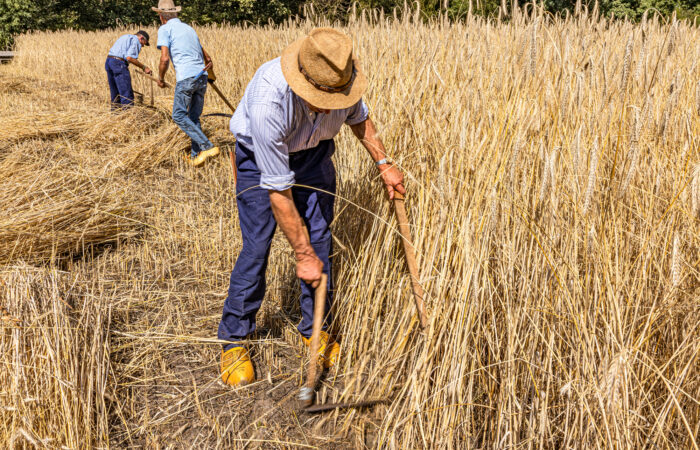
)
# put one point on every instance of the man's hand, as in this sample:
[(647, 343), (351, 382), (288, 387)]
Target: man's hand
[(161, 83), (211, 76), (366, 132), (208, 65), (147, 71), (393, 179), (309, 268)]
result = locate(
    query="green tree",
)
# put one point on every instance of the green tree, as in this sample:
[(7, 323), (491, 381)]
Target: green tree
[(16, 16)]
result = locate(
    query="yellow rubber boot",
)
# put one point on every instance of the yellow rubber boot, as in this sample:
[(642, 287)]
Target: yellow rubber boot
[(212, 152), (328, 349), (197, 161), (236, 368)]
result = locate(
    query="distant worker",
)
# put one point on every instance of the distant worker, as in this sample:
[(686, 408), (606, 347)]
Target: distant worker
[(124, 52), (179, 42), (284, 126)]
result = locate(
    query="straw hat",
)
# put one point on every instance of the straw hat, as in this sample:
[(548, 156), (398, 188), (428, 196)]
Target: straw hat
[(166, 6), (320, 69)]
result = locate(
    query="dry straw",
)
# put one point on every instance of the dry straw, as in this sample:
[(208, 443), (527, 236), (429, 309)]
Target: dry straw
[(676, 261)]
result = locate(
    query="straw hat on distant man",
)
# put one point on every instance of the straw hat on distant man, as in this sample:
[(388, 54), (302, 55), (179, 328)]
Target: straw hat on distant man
[(284, 126), (166, 6)]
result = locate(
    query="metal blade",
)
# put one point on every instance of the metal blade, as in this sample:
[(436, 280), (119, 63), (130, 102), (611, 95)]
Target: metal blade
[(330, 406)]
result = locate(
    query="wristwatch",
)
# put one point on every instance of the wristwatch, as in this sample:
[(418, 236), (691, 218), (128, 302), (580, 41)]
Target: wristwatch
[(382, 161)]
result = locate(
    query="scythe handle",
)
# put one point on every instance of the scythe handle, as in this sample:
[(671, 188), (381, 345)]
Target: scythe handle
[(319, 311), (410, 252)]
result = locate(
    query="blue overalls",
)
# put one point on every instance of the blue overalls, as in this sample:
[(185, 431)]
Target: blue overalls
[(312, 167)]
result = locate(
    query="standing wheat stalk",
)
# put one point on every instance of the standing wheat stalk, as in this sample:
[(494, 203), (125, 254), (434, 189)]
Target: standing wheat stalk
[(605, 75), (579, 88), (533, 48), (564, 104), (627, 61), (695, 191), (577, 159), (514, 158), (670, 105), (672, 35), (633, 153), (641, 60), (592, 167)]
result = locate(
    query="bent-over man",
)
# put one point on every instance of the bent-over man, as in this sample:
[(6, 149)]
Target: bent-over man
[(284, 126), (125, 51), (179, 42)]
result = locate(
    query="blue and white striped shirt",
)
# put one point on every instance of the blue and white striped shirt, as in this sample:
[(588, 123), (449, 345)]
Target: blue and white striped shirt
[(273, 122)]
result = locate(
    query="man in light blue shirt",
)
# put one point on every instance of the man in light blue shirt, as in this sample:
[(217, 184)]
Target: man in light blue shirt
[(125, 51), (179, 42), (284, 126)]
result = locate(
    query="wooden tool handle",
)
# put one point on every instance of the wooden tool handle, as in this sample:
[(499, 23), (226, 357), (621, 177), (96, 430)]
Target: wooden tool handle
[(319, 312), (152, 96), (223, 97), (144, 74), (409, 250)]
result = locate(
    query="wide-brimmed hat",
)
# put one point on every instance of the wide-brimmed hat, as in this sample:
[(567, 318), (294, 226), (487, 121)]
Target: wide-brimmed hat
[(320, 68), (145, 36), (166, 6)]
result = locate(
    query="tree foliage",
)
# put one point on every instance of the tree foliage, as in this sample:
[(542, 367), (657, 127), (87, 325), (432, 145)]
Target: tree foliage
[(18, 16)]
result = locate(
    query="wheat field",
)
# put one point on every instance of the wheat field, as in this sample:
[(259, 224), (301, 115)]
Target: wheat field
[(553, 176)]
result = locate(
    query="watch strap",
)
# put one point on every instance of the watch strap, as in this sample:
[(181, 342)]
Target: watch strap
[(381, 161)]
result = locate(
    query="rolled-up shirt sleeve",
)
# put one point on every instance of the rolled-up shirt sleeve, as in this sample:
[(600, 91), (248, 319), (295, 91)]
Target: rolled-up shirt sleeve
[(163, 38), (357, 113), (271, 153)]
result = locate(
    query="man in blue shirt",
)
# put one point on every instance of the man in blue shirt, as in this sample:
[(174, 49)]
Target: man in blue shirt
[(124, 52), (179, 42), (284, 126)]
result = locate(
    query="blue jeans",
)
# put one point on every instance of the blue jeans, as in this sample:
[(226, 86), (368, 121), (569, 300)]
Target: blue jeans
[(187, 107), (312, 167), (119, 79)]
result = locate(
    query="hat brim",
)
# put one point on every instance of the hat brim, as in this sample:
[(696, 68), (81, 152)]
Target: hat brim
[(316, 97), (176, 9)]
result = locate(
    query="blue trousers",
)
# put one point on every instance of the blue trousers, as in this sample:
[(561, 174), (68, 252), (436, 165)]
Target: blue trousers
[(119, 79), (312, 167), (187, 107)]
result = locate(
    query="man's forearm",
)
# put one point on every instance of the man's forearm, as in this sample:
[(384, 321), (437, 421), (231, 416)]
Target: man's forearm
[(290, 222), (207, 58), (162, 68), (366, 132), (136, 62)]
